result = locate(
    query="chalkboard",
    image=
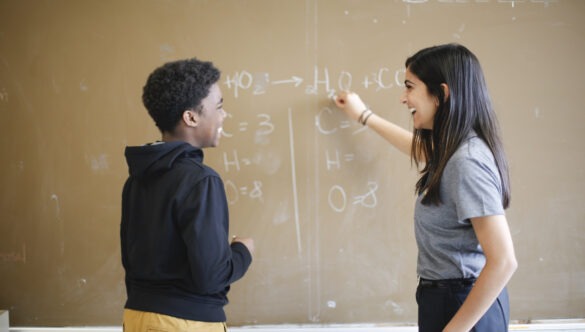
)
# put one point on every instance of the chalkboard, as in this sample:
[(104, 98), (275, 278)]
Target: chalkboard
[(329, 203)]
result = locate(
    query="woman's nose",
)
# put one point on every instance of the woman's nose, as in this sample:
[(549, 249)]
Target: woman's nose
[(403, 97)]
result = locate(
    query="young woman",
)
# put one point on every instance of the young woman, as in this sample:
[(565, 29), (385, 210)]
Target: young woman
[(465, 251)]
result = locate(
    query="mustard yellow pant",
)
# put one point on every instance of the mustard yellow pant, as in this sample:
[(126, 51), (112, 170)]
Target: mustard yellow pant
[(141, 321)]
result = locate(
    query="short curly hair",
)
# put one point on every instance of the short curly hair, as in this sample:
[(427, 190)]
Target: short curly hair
[(176, 87)]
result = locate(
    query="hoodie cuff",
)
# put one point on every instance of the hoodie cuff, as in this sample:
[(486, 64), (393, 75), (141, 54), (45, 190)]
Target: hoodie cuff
[(240, 249)]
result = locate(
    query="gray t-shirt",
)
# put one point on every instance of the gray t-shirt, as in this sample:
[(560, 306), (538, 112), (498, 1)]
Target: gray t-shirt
[(470, 187)]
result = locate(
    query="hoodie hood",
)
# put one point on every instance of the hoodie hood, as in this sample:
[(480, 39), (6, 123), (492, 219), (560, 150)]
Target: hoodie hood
[(158, 157)]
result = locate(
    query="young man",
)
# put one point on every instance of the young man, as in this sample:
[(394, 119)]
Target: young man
[(174, 232)]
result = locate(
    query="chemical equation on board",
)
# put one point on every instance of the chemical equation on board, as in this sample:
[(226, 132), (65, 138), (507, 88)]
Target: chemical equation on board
[(333, 160), (260, 83)]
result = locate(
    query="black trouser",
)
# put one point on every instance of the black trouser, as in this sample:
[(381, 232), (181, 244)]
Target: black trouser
[(438, 301)]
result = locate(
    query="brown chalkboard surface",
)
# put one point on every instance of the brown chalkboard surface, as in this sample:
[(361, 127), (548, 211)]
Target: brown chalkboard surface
[(329, 204)]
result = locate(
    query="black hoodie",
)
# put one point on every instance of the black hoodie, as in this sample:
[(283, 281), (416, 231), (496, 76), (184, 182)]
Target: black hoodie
[(174, 234)]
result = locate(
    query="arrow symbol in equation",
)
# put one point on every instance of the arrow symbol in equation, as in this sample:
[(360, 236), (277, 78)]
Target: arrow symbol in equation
[(295, 79)]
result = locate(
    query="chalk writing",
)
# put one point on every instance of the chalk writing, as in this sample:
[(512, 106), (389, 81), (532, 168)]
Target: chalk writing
[(295, 80), (266, 127), (3, 95), (233, 191), (337, 197), (378, 79), (314, 88), (234, 162), (240, 80), (326, 123), (322, 124), (294, 181), (333, 160), (98, 163), (259, 83), (368, 199), (223, 132), (14, 256), (55, 198)]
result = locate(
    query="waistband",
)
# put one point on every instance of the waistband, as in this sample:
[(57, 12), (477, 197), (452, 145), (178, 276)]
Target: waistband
[(446, 283)]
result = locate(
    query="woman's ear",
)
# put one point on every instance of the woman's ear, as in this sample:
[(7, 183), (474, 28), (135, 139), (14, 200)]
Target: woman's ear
[(445, 88), (190, 118)]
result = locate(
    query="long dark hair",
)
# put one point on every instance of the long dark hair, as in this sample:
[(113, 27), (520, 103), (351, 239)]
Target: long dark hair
[(467, 108)]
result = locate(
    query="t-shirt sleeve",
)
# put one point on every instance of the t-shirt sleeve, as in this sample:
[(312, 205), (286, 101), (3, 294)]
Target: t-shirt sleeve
[(477, 188)]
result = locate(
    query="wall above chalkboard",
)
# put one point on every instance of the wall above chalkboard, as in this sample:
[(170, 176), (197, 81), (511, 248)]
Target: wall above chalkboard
[(329, 203)]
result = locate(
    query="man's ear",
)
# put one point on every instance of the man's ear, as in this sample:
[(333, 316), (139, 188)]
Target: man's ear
[(190, 118), (445, 88)]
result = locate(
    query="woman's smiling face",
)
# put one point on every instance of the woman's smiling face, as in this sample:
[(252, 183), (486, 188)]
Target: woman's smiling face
[(419, 101)]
